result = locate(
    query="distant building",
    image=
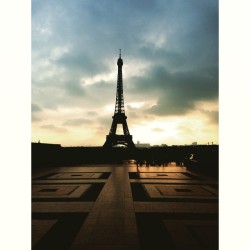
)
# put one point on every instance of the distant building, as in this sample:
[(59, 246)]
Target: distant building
[(142, 145), (194, 143)]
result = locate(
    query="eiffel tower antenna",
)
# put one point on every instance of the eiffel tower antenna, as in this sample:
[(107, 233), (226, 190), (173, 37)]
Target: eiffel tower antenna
[(119, 117)]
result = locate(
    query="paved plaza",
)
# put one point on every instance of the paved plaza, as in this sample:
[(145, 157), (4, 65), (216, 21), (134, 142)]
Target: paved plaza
[(120, 206)]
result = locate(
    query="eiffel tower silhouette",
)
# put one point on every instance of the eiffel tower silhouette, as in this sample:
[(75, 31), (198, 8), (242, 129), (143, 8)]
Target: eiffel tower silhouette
[(119, 117)]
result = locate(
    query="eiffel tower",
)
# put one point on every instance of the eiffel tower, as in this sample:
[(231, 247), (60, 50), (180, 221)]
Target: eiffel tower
[(119, 117)]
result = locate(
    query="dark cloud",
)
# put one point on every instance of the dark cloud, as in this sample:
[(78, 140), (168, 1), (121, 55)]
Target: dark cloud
[(101, 93), (81, 63), (35, 107), (73, 88), (176, 93), (36, 112)]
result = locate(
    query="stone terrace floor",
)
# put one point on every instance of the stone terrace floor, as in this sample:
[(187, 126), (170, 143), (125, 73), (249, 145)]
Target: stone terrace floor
[(122, 207)]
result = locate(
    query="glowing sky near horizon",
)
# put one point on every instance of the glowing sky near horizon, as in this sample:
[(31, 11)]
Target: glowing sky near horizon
[(170, 70)]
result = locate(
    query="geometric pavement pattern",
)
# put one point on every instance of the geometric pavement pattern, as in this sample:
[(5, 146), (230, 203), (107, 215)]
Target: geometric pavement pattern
[(179, 191), (56, 191), (74, 175), (118, 207)]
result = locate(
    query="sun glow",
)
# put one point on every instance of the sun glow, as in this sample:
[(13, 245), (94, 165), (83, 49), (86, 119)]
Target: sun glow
[(136, 105), (156, 132), (109, 108)]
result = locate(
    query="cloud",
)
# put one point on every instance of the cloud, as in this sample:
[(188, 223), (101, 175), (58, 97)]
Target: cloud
[(53, 128), (176, 93), (158, 130), (92, 113), (213, 116), (34, 118), (35, 107), (73, 88), (36, 112), (105, 122), (77, 122)]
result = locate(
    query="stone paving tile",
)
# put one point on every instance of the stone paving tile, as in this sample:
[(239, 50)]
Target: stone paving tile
[(68, 181), (43, 207), (200, 175), (40, 228), (113, 235), (194, 234), (59, 191), (179, 191), (106, 247), (175, 207), (115, 225), (174, 181), (74, 175), (79, 168)]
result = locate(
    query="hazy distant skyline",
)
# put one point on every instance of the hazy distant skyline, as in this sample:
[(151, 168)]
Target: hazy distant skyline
[(170, 70)]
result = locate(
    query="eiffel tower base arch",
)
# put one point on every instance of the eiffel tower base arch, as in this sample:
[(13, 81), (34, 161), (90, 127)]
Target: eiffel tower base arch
[(114, 140)]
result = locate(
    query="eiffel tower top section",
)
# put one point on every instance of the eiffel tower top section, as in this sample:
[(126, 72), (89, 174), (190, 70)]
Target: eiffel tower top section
[(119, 105)]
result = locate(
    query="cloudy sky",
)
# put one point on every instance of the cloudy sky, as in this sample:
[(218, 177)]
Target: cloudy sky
[(170, 70)]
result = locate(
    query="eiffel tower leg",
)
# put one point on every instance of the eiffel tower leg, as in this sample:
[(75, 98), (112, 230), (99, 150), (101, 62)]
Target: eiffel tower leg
[(131, 144), (125, 128), (113, 128), (108, 142)]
